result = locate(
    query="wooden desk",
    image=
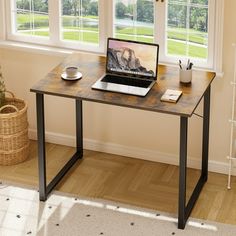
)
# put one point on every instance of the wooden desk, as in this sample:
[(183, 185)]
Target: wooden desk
[(93, 67)]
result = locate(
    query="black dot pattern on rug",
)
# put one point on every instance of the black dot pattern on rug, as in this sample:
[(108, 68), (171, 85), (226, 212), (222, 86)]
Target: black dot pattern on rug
[(29, 232), (57, 225), (50, 207), (76, 199), (7, 199), (132, 223), (202, 223), (18, 216), (117, 207), (173, 233), (88, 215), (101, 233), (157, 214)]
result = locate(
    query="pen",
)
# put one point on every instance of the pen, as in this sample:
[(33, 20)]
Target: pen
[(180, 66), (188, 64)]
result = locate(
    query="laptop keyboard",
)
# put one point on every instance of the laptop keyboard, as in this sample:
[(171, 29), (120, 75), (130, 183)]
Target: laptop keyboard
[(127, 81)]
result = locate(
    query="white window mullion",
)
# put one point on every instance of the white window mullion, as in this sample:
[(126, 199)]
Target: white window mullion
[(160, 27), (2, 20), (10, 7), (211, 29), (188, 25), (105, 25), (81, 35), (54, 9), (156, 19), (31, 16), (217, 57), (110, 14)]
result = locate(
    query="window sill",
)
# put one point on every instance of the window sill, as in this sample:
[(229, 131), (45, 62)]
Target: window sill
[(27, 47), (40, 49), (219, 75)]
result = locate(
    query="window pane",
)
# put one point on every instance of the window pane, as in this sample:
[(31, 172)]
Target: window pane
[(134, 20), (80, 21), (32, 17), (204, 2), (187, 31)]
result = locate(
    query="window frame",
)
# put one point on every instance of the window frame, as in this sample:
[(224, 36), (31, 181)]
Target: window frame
[(208, 63), (106, 29), (54, 38), (2, 20), (160, 35), (11, 29)]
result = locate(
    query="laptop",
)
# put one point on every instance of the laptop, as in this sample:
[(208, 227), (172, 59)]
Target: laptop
[(131, 67)]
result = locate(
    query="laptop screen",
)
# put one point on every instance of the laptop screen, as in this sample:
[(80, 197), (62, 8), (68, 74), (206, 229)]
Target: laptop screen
[(132, 58)]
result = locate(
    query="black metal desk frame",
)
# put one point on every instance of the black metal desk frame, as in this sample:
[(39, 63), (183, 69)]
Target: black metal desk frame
[(184, 210)]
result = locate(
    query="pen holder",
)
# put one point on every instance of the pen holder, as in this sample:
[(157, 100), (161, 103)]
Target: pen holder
[(185, 76)]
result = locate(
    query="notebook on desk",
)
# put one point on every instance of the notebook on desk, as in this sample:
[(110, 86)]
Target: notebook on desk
[(131, 67)]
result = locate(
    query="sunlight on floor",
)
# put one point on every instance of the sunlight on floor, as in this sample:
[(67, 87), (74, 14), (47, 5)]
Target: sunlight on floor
[(145, 214), (202, 226), (26, 204)]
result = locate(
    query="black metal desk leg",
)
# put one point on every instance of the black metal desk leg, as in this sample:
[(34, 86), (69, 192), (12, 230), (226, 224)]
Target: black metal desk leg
[(205, 138), (185, 211), (44, 189), (182, 171), (79, 126), (41, 146)]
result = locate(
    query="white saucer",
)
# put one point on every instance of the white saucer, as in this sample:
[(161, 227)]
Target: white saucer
[(76, 77)]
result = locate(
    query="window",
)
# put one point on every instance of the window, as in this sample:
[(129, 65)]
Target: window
[(134, 20), (31, 17), (80, 21), (187, 28), (182, 28)]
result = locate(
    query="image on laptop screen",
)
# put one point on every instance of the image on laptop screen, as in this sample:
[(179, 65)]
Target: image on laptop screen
[(132, 58)]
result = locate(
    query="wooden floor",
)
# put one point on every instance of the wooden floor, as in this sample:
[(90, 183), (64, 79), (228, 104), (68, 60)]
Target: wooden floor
[(136, 182)]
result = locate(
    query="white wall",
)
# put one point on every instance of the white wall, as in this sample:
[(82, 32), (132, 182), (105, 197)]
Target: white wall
[(131, 132)]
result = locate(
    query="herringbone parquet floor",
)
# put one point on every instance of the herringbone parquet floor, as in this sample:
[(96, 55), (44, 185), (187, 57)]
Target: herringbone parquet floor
[(136, 182)]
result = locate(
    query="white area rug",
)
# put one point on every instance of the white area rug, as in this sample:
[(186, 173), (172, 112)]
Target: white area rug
[(21, 213)]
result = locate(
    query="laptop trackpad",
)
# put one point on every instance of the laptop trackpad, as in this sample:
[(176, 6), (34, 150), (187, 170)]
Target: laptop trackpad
[(122, 88)]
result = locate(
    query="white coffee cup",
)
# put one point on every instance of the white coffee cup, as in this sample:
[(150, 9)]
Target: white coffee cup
[(71, 71), (185, 76)]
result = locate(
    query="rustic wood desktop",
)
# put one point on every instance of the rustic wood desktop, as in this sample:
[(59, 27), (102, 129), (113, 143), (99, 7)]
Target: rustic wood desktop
[(93, 67)]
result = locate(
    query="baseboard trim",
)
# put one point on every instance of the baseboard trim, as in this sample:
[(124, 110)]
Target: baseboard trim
[(134, 152)]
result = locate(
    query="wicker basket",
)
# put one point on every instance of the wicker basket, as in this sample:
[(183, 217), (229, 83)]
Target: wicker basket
[(14, 141), (14, 157), (13, 116)]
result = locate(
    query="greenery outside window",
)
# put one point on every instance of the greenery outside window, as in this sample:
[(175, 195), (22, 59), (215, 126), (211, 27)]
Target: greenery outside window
[(80, 21), (187, 28), (134, 20), (32, 17)]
